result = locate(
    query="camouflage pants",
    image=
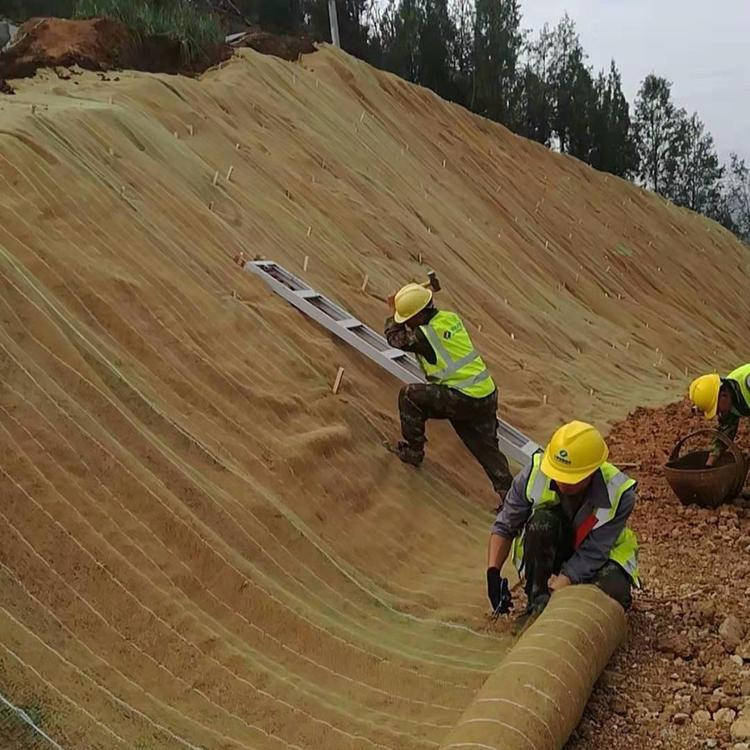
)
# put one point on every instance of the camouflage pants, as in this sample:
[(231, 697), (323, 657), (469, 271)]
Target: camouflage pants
[(547, 544), (474, 419)]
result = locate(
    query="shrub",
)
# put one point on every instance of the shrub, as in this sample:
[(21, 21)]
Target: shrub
[(197, 30)]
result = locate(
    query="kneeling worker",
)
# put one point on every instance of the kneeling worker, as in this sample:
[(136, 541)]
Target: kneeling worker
[(459, 386), (564, 519), (728, 397)]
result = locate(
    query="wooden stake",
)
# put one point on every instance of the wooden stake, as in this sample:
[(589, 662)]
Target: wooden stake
[(236, 146), (443, 162), (191, 129), (479, 328), (110, 100), (309, 231), (337, 382), (305, 262), (229, 173), (544, 399), (176, 134), (512, 336), (364, 282), (419, 258), (216, 176)]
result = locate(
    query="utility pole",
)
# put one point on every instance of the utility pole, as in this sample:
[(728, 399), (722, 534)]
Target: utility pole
[(334, 23)]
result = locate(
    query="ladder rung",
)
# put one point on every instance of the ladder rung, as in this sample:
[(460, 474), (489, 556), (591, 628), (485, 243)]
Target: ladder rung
[(307, 293), (350, 323), (393, 353)]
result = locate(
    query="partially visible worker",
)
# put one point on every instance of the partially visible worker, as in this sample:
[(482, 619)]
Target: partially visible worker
[(459, 388), (728, 397), (564, 522)]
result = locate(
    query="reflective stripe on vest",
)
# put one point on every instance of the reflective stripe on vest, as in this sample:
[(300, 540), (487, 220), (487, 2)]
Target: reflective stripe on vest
[(458, 365), (741, 376), (539, 492)]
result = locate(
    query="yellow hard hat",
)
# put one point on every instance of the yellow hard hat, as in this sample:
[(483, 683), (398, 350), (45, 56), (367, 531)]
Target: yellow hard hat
[(410, 300), (575, 452), (704, 393)]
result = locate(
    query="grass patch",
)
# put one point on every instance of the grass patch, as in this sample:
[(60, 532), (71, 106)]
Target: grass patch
[(197, 30)]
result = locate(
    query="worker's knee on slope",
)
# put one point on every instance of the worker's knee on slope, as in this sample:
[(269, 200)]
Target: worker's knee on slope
[(411, 395), (614, 582)]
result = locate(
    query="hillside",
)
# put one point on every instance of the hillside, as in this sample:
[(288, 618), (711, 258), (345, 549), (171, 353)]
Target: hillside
[(201, 545)]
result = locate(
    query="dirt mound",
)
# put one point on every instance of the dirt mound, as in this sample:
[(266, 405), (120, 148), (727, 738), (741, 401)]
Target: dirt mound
[(200, 545), (95, 44), (285, 46), (675, 683)]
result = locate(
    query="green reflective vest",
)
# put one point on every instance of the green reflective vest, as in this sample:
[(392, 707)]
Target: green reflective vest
[(458, 364), (624, 552), (741, 376)]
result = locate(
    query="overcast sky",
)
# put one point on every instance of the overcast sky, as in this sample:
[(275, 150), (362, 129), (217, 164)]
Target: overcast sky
[(701, 46)]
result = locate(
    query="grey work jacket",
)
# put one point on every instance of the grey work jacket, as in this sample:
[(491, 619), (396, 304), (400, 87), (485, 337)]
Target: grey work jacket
[(594, 551)]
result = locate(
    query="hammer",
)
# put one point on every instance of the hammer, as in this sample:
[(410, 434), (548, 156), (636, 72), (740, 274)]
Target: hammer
[(432, 282)]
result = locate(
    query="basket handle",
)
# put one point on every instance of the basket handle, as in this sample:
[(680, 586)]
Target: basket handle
[(729, 444)]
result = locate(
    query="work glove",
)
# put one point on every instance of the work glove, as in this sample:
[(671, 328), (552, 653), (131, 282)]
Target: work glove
[(498, 592)]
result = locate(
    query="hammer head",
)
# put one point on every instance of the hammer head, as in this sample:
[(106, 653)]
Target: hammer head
[(433, 283)]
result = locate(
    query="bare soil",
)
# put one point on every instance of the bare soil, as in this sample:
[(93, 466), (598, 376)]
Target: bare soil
[(95, 44), (696, 566)]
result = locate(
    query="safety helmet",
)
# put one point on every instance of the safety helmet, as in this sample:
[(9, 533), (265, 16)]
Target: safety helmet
[(575, 452), (704, 393), (410, 300)]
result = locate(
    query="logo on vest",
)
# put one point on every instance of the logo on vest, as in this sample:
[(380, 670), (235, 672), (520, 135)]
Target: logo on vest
[(447, 334), (562, 456)]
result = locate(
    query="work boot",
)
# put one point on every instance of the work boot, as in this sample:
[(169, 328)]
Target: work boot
[(406, 453)]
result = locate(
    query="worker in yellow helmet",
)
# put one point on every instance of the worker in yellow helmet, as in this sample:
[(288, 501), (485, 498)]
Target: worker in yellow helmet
[(728, 397), (458, 388), (564, 523)]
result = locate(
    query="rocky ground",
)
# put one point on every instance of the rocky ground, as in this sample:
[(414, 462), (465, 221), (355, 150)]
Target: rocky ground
[(683, 678)]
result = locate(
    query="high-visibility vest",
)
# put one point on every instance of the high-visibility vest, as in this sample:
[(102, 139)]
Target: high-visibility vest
[(741, 376), (539, 493), (458, 365)]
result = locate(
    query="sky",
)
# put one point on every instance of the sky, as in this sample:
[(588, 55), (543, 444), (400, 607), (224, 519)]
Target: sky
[(701, 46)]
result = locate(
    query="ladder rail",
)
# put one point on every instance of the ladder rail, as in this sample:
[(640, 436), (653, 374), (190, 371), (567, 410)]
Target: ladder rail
[(373, 345)]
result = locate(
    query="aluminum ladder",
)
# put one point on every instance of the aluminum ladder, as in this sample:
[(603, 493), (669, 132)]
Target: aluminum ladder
[(364, 339)]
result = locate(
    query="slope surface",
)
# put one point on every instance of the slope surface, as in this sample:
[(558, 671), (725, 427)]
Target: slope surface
[(201, 545)]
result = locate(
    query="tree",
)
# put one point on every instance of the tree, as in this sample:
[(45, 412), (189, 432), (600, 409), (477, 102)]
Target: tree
[(536, 108), (435, 48), (400, 27), (354, 27), (736, 197), (463, 52), (497, 45), (695, 172), (655, 127), (614, 147), (571, 88)]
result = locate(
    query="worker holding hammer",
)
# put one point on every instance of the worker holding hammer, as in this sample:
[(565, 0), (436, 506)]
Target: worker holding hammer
[(459, 386)]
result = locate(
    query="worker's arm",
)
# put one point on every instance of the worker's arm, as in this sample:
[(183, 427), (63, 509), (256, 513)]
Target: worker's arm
[(508, 524), (400, 336), (594, 550), (510, 520), (728, 425)]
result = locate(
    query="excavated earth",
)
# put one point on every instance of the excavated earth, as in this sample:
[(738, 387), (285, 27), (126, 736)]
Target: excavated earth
[(678, 682), (202, 546)]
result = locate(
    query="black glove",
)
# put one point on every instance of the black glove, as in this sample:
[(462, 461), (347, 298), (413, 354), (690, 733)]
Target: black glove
[(498, 592)]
